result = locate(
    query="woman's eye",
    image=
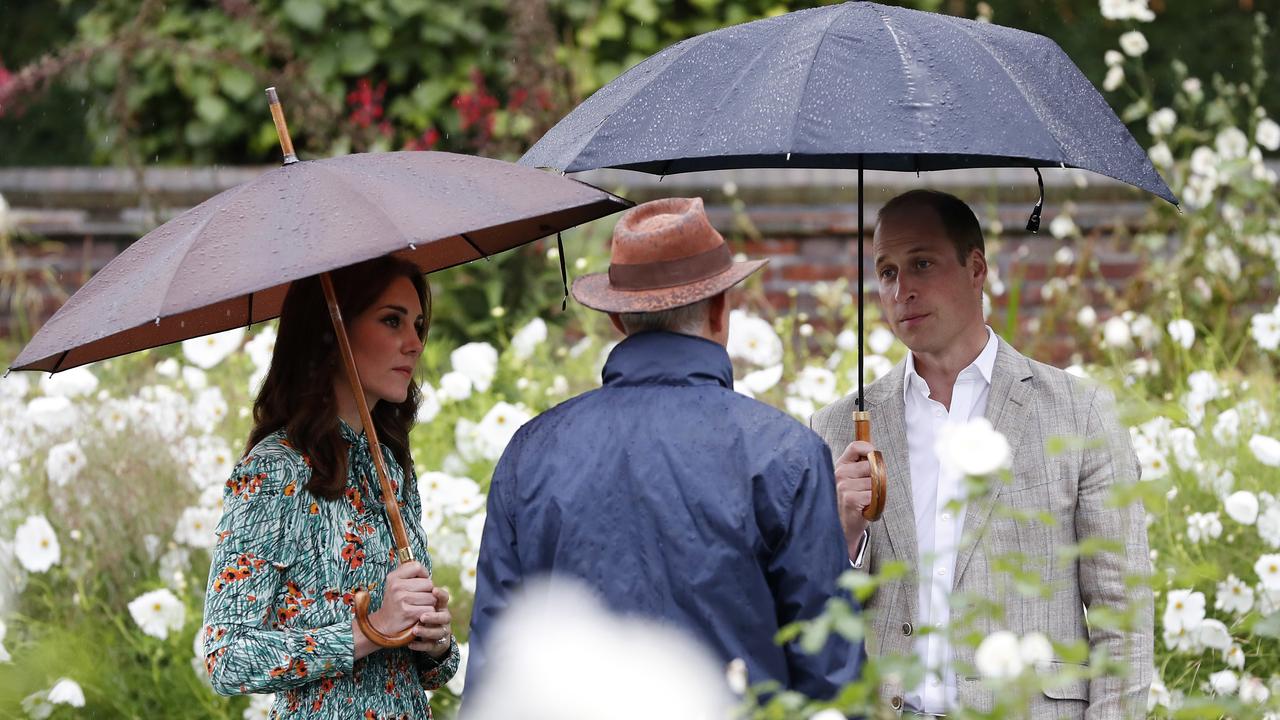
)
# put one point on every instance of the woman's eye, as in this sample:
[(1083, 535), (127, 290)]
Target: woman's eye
[(392, 321)]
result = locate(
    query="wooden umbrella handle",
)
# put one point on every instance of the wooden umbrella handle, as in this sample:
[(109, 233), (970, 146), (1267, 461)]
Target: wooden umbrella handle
[(879, 477), (404, 553)]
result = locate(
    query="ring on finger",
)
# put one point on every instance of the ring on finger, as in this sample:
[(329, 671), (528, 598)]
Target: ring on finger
[(444, 640)]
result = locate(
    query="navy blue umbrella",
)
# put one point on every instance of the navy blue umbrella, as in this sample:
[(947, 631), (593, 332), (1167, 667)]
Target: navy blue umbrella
[(857, 85)]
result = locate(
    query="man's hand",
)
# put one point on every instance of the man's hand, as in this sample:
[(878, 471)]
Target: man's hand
[(853, 491)]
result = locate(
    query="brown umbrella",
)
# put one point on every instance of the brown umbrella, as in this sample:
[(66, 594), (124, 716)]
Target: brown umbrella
[(228, 262)]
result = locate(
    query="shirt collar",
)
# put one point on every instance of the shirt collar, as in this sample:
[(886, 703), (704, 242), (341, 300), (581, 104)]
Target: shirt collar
[(666, 358), (981, 367), (349, 433)]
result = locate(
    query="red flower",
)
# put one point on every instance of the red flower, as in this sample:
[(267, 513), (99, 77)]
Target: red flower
[(366, 103), (427, 141)]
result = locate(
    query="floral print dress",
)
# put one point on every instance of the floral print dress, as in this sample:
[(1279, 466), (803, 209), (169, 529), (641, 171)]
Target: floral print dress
[(285, 571)]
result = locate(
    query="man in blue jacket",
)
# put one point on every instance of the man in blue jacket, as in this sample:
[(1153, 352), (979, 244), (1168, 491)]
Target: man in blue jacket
[(667, 493)]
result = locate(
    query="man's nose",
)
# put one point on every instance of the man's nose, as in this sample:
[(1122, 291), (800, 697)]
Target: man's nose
[(903, 290)]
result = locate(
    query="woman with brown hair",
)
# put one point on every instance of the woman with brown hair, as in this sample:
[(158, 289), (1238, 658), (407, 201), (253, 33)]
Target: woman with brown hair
[(304, 527)]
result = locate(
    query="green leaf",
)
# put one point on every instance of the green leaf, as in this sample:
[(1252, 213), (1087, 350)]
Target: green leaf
[(238, 84), (211, 108), (306, 14), (610, 27), (357, 55), (646, 11)]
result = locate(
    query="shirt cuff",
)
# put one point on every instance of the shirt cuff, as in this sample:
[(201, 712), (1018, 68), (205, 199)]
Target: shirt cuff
[(858, 561)]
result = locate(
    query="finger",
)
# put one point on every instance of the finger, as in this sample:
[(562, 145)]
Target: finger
[(435, 618), (411, 569), (431, 633), (856, 450), (861, 468), (850, 485), (413, 585), (433, 649), (442, 597), (855, 502), (419, 600)]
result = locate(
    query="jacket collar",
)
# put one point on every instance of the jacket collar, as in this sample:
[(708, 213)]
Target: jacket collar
[(665, 358)]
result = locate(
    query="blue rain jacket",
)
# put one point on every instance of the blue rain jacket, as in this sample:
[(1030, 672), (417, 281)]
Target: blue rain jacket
[(674, 497)]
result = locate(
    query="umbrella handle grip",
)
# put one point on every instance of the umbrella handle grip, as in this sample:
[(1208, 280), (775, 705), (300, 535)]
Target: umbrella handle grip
[(381, 640), (879, 476)]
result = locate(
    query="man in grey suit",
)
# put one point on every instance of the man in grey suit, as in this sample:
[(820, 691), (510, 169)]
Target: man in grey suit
[(931, 265)]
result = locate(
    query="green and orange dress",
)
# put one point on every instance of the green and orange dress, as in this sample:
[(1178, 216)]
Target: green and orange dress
[(286, 567)]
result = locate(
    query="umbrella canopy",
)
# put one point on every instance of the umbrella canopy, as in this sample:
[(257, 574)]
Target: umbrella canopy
[(228, 262), (852, 85)]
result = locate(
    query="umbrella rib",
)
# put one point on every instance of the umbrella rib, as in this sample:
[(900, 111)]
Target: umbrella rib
[(177, 267), (804, 87), (1062, 152)]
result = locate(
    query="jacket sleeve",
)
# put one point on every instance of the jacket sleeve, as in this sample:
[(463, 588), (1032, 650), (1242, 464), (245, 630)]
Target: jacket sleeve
[(247, 648), (432, 672), (803, 572), (1109, 463), (498, 572)]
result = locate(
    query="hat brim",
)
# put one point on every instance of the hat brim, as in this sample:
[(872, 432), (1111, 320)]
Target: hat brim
[(595, 292)]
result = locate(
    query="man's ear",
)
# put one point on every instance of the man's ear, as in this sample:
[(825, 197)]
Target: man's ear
[(717, 313), (617, 322), (979, 262)]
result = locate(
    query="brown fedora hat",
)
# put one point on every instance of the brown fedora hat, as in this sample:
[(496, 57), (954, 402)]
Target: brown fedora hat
[(665, 254)]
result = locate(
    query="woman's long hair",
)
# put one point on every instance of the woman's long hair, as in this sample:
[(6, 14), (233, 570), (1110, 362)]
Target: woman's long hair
[(298, 393)]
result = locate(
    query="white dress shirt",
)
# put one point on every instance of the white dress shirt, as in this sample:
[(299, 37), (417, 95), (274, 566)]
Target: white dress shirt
[(938, 499)]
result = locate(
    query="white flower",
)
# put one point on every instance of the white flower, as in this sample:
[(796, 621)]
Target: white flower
[(262, 346), (799, 407), (1183, 443), (1160, 155), (1224, 682), (1143, 328), (169, 367), (1265, 329), (847, 340), (1268, 569), (1226, 428), (1269, 526), (753, 339), (54, 415), (828, 714), (1134, 43), (196, 527), (66, 692), (75, 382), (1198, 193), (880, 340), (1113, 58), (1115, 333), (1184, 610), (1266, 449), (260, 706), (1233, 596), (1181, 640), (999, 656), (64, 463), (456, 495), (736, 674), (528, 338), (1182, 332), (205, 352), (1126, 10), (1158, 695), (1064, 255), (1203, 526), (478, 361), (35, 545), (815, 383), (1161, 122), (195, 378), (1087, 317), (1063, 226), (1253, 690), (158, 612), (1204, 162), (1231, 143), (1115, 76), (1242, 507), (557, 653), (1205, 385), (1214, 635), (874, 368), (761, 381), (1035, 650), (1153, 462), (1234, 656), (498, 426), (429, 406), (209, 409), (1268, 134), (455, 386), (14, 386), (972, 448), (1193, 88)]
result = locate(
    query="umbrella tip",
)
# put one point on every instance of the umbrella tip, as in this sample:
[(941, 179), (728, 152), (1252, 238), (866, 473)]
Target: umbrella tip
[(1033, 222)]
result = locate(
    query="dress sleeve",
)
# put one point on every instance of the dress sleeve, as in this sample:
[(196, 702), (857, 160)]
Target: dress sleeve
[(248, 649), (434, 673)]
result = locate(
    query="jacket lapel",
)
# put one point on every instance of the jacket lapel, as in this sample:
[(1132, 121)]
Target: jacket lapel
[(889, 435), (1008, 406)]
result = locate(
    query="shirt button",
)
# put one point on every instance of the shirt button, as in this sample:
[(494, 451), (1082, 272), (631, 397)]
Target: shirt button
[(946, 517), (896, 702), (907, 629), (942, 572)]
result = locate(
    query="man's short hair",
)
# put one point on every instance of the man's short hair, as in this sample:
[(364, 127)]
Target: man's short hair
[(686, 319), (957, 219)]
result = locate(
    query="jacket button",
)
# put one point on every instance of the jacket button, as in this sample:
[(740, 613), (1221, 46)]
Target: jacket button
[(906, 628), (896, 702)]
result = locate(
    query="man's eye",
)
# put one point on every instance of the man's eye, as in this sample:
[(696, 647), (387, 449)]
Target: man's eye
[(922, 264), (886, 273)]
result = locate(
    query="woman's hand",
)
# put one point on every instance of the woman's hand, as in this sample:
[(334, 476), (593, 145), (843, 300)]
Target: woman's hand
[(409, 592), (433, 629)]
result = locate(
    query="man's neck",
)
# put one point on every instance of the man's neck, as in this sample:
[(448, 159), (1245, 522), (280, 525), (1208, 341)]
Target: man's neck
[(939, 370)]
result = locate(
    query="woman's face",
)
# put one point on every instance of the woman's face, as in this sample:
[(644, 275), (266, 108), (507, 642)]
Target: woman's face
[(385, 342)]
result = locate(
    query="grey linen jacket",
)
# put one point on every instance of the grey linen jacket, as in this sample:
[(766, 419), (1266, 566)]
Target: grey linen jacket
[(1030, 403)]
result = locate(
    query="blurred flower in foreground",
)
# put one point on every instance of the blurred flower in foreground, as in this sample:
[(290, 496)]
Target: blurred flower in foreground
[(560, 655), (35, 545), (973, 448), (209, 350), (158, 612)]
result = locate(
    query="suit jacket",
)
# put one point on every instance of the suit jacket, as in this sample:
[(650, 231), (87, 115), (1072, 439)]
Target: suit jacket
[(1029, 403)]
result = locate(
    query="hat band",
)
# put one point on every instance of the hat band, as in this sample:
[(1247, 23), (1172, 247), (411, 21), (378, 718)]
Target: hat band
[(670, 273)]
